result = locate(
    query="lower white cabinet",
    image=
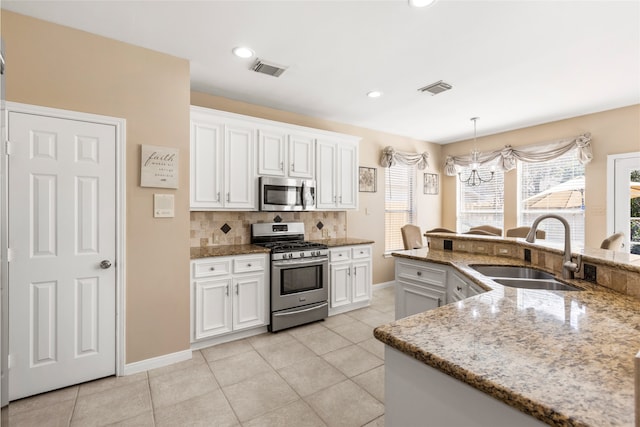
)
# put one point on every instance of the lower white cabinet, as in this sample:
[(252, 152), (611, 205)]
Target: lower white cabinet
[(423, 285), (229, 294), (350, 278), (420, 286)]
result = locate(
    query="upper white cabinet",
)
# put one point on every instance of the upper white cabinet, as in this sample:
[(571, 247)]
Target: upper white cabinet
[(230, 151), (336, 178), (285, 155), (222, 163)]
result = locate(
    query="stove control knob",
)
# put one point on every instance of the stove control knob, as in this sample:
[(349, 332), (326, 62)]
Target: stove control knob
[(290, 254), (301, 254)]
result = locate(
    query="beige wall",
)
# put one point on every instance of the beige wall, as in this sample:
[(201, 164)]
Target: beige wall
[(612, 132), (368, 221), (55, 66)]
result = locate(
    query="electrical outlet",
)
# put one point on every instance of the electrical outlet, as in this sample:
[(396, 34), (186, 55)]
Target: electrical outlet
[(527, 255), (590, 273), (448, 245)]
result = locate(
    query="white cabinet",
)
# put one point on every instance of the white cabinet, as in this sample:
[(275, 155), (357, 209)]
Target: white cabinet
[(420, 286), (459, 287), (222, 163), (229, 294), (285, 155), (350, 278), (337, 169)]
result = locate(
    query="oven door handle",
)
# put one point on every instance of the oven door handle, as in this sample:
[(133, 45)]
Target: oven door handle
[(304, 198), (307, 261), (290, 313)]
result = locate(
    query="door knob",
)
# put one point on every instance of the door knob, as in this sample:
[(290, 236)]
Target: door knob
[(104, 264)]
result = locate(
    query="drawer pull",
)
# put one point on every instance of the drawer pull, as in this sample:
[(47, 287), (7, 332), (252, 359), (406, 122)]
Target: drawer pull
[(458, 288), (212, 268), (419, 273), (249, 265)]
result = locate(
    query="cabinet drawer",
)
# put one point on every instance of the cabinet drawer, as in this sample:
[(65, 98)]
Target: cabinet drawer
[(343, 254), (210, 268), (361, 252), (248, 264), (422, 273)]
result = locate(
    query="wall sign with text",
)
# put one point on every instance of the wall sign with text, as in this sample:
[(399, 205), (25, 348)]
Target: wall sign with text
[(158, 167)]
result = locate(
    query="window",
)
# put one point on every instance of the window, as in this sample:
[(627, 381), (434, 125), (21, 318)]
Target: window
[(399, 206), (553, 187), (482, 204)]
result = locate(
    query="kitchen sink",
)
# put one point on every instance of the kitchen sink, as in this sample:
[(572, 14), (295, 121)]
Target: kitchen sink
[(522, 277), (549, 285), (512, 272)]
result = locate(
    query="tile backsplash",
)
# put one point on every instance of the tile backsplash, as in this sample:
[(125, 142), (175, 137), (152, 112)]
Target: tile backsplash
[(208, 228)]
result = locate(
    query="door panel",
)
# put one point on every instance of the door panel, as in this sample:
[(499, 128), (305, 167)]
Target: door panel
[(62, 224)]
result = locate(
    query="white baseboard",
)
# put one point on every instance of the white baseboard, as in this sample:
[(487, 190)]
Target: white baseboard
[(384, 285), (157, 362)]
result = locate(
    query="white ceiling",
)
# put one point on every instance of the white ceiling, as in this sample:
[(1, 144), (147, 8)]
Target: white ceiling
[(511, 63)]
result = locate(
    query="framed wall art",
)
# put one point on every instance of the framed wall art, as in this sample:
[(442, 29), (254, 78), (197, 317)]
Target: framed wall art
[(367, 180), (158, 166), (430, 183)]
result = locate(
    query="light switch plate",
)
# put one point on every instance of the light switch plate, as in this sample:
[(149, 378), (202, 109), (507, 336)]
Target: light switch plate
[(163, 206)]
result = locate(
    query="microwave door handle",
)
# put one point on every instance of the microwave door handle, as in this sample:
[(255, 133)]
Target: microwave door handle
[(304, 197)]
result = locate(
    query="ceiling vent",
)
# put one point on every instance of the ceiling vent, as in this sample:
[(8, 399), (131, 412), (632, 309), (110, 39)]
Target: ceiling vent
[(267, 68), (436, 88)]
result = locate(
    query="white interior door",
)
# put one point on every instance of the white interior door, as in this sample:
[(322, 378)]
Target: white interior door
[(625, 168), (62, 237)]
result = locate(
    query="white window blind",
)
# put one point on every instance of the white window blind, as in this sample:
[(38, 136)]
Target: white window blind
[(399, 206), (482, 204), (556, 187)]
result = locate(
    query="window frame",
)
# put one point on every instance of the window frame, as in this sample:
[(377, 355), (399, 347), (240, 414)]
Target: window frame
[(394, 227)]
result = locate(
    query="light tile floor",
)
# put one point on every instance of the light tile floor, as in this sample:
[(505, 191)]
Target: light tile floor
[(328, 373)]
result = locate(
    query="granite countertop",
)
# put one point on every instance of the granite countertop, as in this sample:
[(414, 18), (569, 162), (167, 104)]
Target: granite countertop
[(566, 358), (227, 250), (344, 241), (230, 250)]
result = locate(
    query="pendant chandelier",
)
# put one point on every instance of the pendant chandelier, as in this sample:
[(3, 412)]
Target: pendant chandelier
[(475, 179)]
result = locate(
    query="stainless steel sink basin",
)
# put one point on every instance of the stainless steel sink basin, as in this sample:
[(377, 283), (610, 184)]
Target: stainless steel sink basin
[(549, 285), (522, 277), (512, 272)]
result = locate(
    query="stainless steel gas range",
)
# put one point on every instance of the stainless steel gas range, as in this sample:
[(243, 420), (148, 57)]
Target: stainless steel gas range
[(299, 274)]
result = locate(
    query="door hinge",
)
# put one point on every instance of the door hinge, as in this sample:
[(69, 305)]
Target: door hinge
[(9, 361), (9, 254), (7, 147)]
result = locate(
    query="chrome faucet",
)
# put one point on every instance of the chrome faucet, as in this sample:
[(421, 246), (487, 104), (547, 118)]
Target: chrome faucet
[(568, 266)]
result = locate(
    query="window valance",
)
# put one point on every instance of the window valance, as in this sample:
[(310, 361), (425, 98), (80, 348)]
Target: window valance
[(390, 157), (506, 157)]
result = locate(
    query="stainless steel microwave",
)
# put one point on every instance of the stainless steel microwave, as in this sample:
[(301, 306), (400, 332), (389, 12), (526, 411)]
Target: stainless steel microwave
[(283, 194)]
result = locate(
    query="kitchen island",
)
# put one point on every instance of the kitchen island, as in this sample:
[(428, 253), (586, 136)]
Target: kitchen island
[(563, 358)]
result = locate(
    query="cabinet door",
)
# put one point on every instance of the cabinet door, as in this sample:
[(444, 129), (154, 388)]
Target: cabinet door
[(212, 306), (361, 281), (240, 173), (347, 176), (206, 165), (271, 153), (340, 284), (301, 155), (326, 175), (248, 302), (412, 299)]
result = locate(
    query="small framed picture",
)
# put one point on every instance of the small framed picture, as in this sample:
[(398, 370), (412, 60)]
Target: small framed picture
[(367, 180), (430, 183)]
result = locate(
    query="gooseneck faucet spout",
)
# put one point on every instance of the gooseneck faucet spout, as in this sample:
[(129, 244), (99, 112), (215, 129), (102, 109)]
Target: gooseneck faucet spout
[(568, 266)]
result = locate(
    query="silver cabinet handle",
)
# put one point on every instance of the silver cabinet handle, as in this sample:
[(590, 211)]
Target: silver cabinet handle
[(249, 265), (237, 290), (104, 264), (212, 268), (439, 302), (281, 165), (228, 197), (458, 288), (340, 199), (218, 197), (292, 167), (349, 271), (227, 293), (419, 273)]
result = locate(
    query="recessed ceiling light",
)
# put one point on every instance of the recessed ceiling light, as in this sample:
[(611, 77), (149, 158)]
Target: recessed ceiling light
[(242, 52), (374, 94), (421, 3)]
